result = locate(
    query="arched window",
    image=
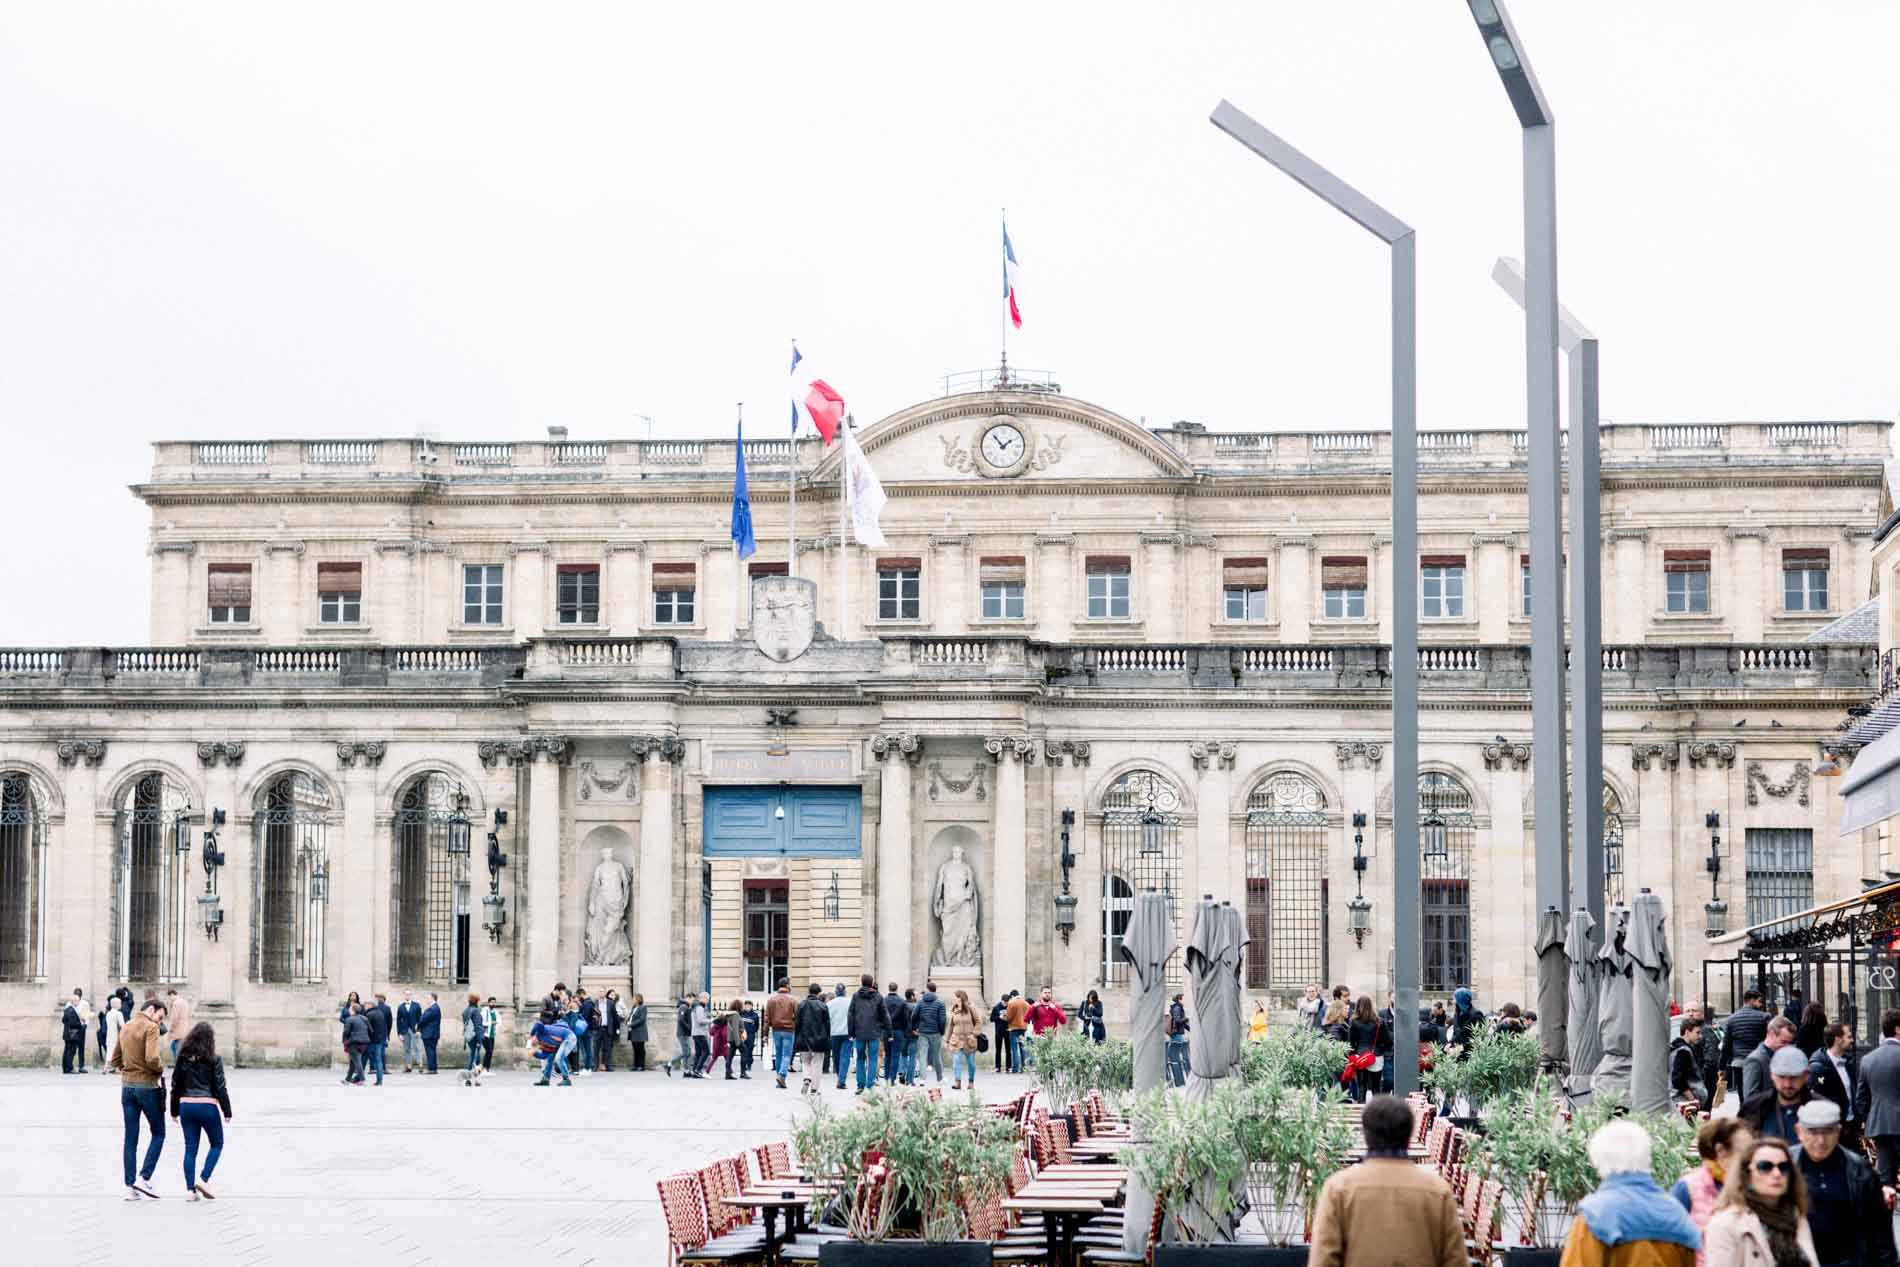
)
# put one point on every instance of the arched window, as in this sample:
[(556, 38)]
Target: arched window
[(290, 879), (1612, 846), (1141, 850), (1286, 883), (151, 883), (429, 895), (22, 881), (1446, 832)]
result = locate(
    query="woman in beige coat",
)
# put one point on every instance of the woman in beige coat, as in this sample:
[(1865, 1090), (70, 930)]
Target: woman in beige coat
[(1762, 1217), (960, 1040)]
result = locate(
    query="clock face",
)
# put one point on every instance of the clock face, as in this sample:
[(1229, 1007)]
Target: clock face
[(1003, 446)]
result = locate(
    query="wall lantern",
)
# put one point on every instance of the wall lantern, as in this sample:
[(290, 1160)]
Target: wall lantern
[(1715, 910), (1433, 837), (1151, 822), (1065, 900), (494, 905), (1359, 909), (319, 882), (458, 826), (210, 908)]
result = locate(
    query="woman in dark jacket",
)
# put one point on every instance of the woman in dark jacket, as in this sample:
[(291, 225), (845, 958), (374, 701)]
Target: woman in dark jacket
[(1810, 1035), (865, 1024), (637, 1032), (355, 1041), (201, 1103), (1090, 1015), (1362, 1033), (811, 1032), (1465, 1020), (609, 1031)]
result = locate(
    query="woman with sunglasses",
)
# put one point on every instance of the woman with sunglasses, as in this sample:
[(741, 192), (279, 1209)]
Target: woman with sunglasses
[(1761, 1220)]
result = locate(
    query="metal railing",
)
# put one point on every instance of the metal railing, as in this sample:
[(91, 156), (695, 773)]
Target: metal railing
[(1002, 379)]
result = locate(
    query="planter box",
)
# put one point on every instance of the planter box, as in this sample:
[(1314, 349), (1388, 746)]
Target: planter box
[(1532, 1257), (904, 1254), (1230, 1256)]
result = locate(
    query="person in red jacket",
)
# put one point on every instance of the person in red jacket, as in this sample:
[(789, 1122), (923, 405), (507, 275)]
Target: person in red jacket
[(1046, 1014)]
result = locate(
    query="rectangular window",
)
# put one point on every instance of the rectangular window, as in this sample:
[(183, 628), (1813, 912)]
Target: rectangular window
[(1524, 583), (1780, 872), (340, 593), (481, 594), (900, 589), (1804, 580), (1244, 588), (1002, 578), (228, 587), (1686, 581), (1342, 583), (1442, 586), (1107, 586), (577, 594), (674, 586), (767, 934)]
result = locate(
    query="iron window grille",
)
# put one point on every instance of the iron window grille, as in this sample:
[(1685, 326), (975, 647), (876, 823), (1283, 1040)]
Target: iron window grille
[(23, 864), (1613, 892), (1447, 832), (1780, 876), (1287, 887), (1141, 851), (481, 594), (151, 885), (290, 831), (430, 942)]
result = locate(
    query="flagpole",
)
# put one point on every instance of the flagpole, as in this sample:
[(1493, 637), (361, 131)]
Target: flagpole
[(1002, 314), (844, 535), (738, 564), (791, 537)]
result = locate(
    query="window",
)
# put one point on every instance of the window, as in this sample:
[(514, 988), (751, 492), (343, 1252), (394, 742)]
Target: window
[(1780, 872), (1342, 582), (151, 888), (673, 590), (1002, 578), (1446, 832), (577, 594), (899, 589), (228, 588), (1108, 586), (1286, 883), (289, 874), (23, 862), (1686, 581), (1442, 581), (1141, 852), (1524, 584), (767, 934), (481, 594), (1244, 588), (1612, 846), (1804, 580), (339, 593), (429, 929)]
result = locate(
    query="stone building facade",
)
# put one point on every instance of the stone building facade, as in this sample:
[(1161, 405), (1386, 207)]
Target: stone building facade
[(1173, 644)]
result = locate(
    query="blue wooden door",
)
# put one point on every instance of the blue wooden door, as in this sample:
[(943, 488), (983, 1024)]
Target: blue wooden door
[(818, 822)]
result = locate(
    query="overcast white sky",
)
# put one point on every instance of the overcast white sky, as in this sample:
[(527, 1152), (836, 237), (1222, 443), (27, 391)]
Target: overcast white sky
[(260, 220)]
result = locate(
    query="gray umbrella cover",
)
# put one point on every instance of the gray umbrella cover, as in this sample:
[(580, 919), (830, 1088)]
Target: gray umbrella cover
[(1553, 989), (1585, 1038), (1614, 1002), (1146, 946), (1648, 944), (1215, 944)]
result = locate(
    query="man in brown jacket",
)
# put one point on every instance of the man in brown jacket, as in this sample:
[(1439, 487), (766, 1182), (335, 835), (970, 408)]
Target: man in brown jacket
[(141, 1093), (781, 1018), (1386, 1209)]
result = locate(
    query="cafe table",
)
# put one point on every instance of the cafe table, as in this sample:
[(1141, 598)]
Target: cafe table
[(769, 1200), (1061, 1216)]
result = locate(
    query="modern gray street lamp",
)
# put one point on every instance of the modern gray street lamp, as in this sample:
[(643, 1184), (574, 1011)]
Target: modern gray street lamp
[(1398, 235), (1587, 859)]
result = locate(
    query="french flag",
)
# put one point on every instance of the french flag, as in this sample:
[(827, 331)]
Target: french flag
[(1009, 279), (820, 400)]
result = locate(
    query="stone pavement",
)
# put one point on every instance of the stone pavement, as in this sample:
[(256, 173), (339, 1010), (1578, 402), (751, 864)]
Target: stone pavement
[(422, 1170)]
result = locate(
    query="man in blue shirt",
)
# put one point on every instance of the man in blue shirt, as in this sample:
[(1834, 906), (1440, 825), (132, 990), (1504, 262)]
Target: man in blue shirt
[(408, 1016)]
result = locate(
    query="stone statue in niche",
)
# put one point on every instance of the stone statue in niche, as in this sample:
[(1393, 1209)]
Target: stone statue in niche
[(606, 941), (954, 902)]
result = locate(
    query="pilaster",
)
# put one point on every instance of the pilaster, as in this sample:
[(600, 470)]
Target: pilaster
[(626, 596), (76, 949), (1293, 590), (544, 755), (1496, 593), (1054, 581), (1219, 869), (360, 922), (1008, 933), (897, 755), (1076, 960), (653, 925), (1748, 597), (1628, 617), (213, 966)]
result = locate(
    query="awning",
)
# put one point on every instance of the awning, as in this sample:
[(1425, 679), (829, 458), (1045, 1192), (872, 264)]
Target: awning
[(1865, 914), (1871, 791)]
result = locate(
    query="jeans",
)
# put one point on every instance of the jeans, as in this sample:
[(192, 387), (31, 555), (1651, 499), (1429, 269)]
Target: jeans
[(746, 1057), (1177, 1060), (428, 1050), (841, 1056), (488, 1052), (474, 1056), (781, 1052), (585, 1042), (148, 1102), (411, 1049), (932, 1057), (375, 1059), (867, 1063), (1016, 1051), (958, 1059), (896, 1049), (554, 1062), (197, 1119)]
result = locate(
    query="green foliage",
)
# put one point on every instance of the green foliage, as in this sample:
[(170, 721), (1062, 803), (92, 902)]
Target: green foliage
[(1294, 1056), (1496, 1065), (1069, 1064)]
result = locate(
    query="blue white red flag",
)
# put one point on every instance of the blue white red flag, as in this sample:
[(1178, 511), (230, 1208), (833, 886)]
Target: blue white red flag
[(818, 399), (1009, 279)]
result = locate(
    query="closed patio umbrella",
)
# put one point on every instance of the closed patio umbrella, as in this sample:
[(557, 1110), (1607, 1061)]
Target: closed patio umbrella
[(1614, 966), (1216, 941), (1146, 946), (1553, 989), (1584, 1034), (1649, 1008)]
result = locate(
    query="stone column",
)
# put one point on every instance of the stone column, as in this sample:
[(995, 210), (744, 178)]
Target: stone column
[(1009, 898), (1077, 957), (544, 754), (528, 597), (1292, 584), (1213, 867), (1501, 961), (722, 598), (172, 608), (1747, 596), (1052, 596), (1627, 619), (76, 949), (1159, 604), (949, 599), (358, 910), (1495, 591), (212, 966), (897, 754), (626, 597), (1358, 761), (653, 924)]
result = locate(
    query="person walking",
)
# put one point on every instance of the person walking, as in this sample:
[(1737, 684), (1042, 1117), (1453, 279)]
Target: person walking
[(1091, 1016), (1774, 1111), (1742, 1032), (1628, 1220), (724, 1027), (928, 1021), (1177, 1031), (1465, 1020), (474, 1029), (355, 1043), (177, 1018), (201, 1104), (810, 1036), (748, 1036), (141, 1095), (701, 1015), (1877, 1098), (683, 1038), (429, 1029), (1810, 1035), (491, 1025), (965, 1029), (896, 1034), (609, 1032), (999, 1021), (1717, 1143), (112, 1019), (72, 1033), (1762, 1218), (637, 1032), (1685, 1063), (1256, 1024), (1756, 1068), (781, 1022), (1016, 1016), (380, 1020), (1833, 1079), (408, 1018), (838, 1008), (1362, 1033), (1386, 1210), (1847, 1213), (869, 1021), (549, 1037), (908, 1065)]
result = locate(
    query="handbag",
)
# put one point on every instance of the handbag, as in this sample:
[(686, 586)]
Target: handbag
[(982, 1041)]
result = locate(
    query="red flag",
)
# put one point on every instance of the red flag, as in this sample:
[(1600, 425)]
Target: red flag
[(826, 408)]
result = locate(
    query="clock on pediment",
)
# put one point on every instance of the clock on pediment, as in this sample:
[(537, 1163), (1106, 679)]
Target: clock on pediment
[(1003, 448)]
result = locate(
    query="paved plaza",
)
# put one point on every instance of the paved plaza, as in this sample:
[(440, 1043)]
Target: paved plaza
[(422, 1170)]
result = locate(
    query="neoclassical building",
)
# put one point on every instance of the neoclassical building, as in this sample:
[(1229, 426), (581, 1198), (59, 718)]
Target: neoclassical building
[(1094, 658)]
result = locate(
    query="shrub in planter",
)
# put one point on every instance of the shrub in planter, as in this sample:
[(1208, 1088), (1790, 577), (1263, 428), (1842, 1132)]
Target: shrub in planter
[(1069, 1064), (1495, 1066), (1294, 1056)]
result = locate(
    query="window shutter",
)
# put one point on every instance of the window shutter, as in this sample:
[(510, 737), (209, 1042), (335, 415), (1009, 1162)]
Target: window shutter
[(576, 567), (229, 584), (1244, 573), (767, 569), (339, 578), (1523, 560), (1342, 572), (900, 564), (1805, 559), (1685, 560), (1106, 563), (1441, 560), (673, 576), (1002, 569)]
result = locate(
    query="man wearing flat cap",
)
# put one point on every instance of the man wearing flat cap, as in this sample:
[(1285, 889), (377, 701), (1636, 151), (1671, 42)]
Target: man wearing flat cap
[(1847, 1212), (1773, 1111)]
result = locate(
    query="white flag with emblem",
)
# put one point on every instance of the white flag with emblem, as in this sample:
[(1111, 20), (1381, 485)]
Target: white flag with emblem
[(863, 495)]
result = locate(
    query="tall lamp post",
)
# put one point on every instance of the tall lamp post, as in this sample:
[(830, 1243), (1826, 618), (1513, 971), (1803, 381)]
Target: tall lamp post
[(1398, 235)]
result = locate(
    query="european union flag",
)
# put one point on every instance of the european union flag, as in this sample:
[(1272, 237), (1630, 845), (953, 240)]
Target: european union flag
[(742, 538)]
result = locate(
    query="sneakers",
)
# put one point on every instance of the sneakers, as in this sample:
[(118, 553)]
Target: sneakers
[(144, 1188), (567, 1082), (203, 1190), (781, 1083), (131, 1194), (669, 1068), (541, 1083), (192, 1195)]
